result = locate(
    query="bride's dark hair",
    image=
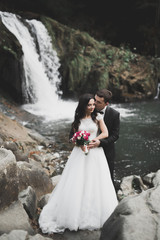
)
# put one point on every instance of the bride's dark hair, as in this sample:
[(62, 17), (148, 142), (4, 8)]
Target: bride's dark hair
[(80, 111)]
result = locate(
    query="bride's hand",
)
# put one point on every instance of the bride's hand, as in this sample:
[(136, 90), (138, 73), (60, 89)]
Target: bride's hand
[(83, 148)]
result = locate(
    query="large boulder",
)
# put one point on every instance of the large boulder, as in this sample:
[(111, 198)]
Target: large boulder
[(17, 176), (8, 178), (36, 177), (29, 200), (136, 217), (12, 130), (14, 217), (22, 235)]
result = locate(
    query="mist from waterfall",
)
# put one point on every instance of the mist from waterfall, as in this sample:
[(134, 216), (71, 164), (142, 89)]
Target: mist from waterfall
[(41, 64)]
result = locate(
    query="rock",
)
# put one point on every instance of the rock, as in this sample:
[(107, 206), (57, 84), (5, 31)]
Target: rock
[(156, 179), (136, 217), (22, 235), (35, 177), (17, 176), (43, 200), (15, 235), (19, 153), (36, 157), (51, 170), (14, 217), (28, 198), (20, 156), (55, 180), (38, 137), (35, 163), (131, 185), (56, 155), (152, 179), (1, 142), (39, 237), (149, 178), (11, 129), (10, 145), (8, 178)]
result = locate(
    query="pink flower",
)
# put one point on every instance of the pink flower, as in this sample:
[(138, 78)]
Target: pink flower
[(81, 138)]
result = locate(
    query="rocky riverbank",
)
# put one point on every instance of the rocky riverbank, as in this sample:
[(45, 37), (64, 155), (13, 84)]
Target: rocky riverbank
[(27, 176)]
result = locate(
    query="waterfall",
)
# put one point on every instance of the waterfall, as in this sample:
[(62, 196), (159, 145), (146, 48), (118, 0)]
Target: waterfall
[(158, 91), (41, 64), (41, 75)]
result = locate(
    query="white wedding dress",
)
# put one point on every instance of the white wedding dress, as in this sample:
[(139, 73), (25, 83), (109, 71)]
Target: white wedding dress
[(84, 197)]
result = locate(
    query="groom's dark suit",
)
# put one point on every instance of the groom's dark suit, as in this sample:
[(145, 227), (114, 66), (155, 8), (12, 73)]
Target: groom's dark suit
[(112, 121)]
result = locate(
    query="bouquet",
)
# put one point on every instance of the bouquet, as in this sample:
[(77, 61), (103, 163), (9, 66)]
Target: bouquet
[(81, 138)]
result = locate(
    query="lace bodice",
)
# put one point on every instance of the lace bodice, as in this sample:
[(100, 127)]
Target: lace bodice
[(90, 126)]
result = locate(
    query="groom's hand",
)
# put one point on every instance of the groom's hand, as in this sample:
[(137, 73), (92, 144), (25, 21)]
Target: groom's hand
[(95, 143)]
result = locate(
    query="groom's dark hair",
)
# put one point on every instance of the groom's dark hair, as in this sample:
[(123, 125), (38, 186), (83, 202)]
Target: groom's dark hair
[(106, 94)]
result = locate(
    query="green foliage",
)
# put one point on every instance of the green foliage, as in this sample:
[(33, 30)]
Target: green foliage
[(127, 55), (10, 51)]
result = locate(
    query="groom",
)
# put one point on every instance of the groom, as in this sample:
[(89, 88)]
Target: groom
[(112, 121)]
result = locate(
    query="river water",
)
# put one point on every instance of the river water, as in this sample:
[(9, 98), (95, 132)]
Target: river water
[(138, 147)]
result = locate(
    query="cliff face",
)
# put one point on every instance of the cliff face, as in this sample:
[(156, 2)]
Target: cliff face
[(11, 67), (86, 65)]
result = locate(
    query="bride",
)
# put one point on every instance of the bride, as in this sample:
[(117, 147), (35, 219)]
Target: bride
[(85, 196)]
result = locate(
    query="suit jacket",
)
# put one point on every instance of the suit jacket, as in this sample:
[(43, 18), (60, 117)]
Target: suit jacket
[(112, 121)]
